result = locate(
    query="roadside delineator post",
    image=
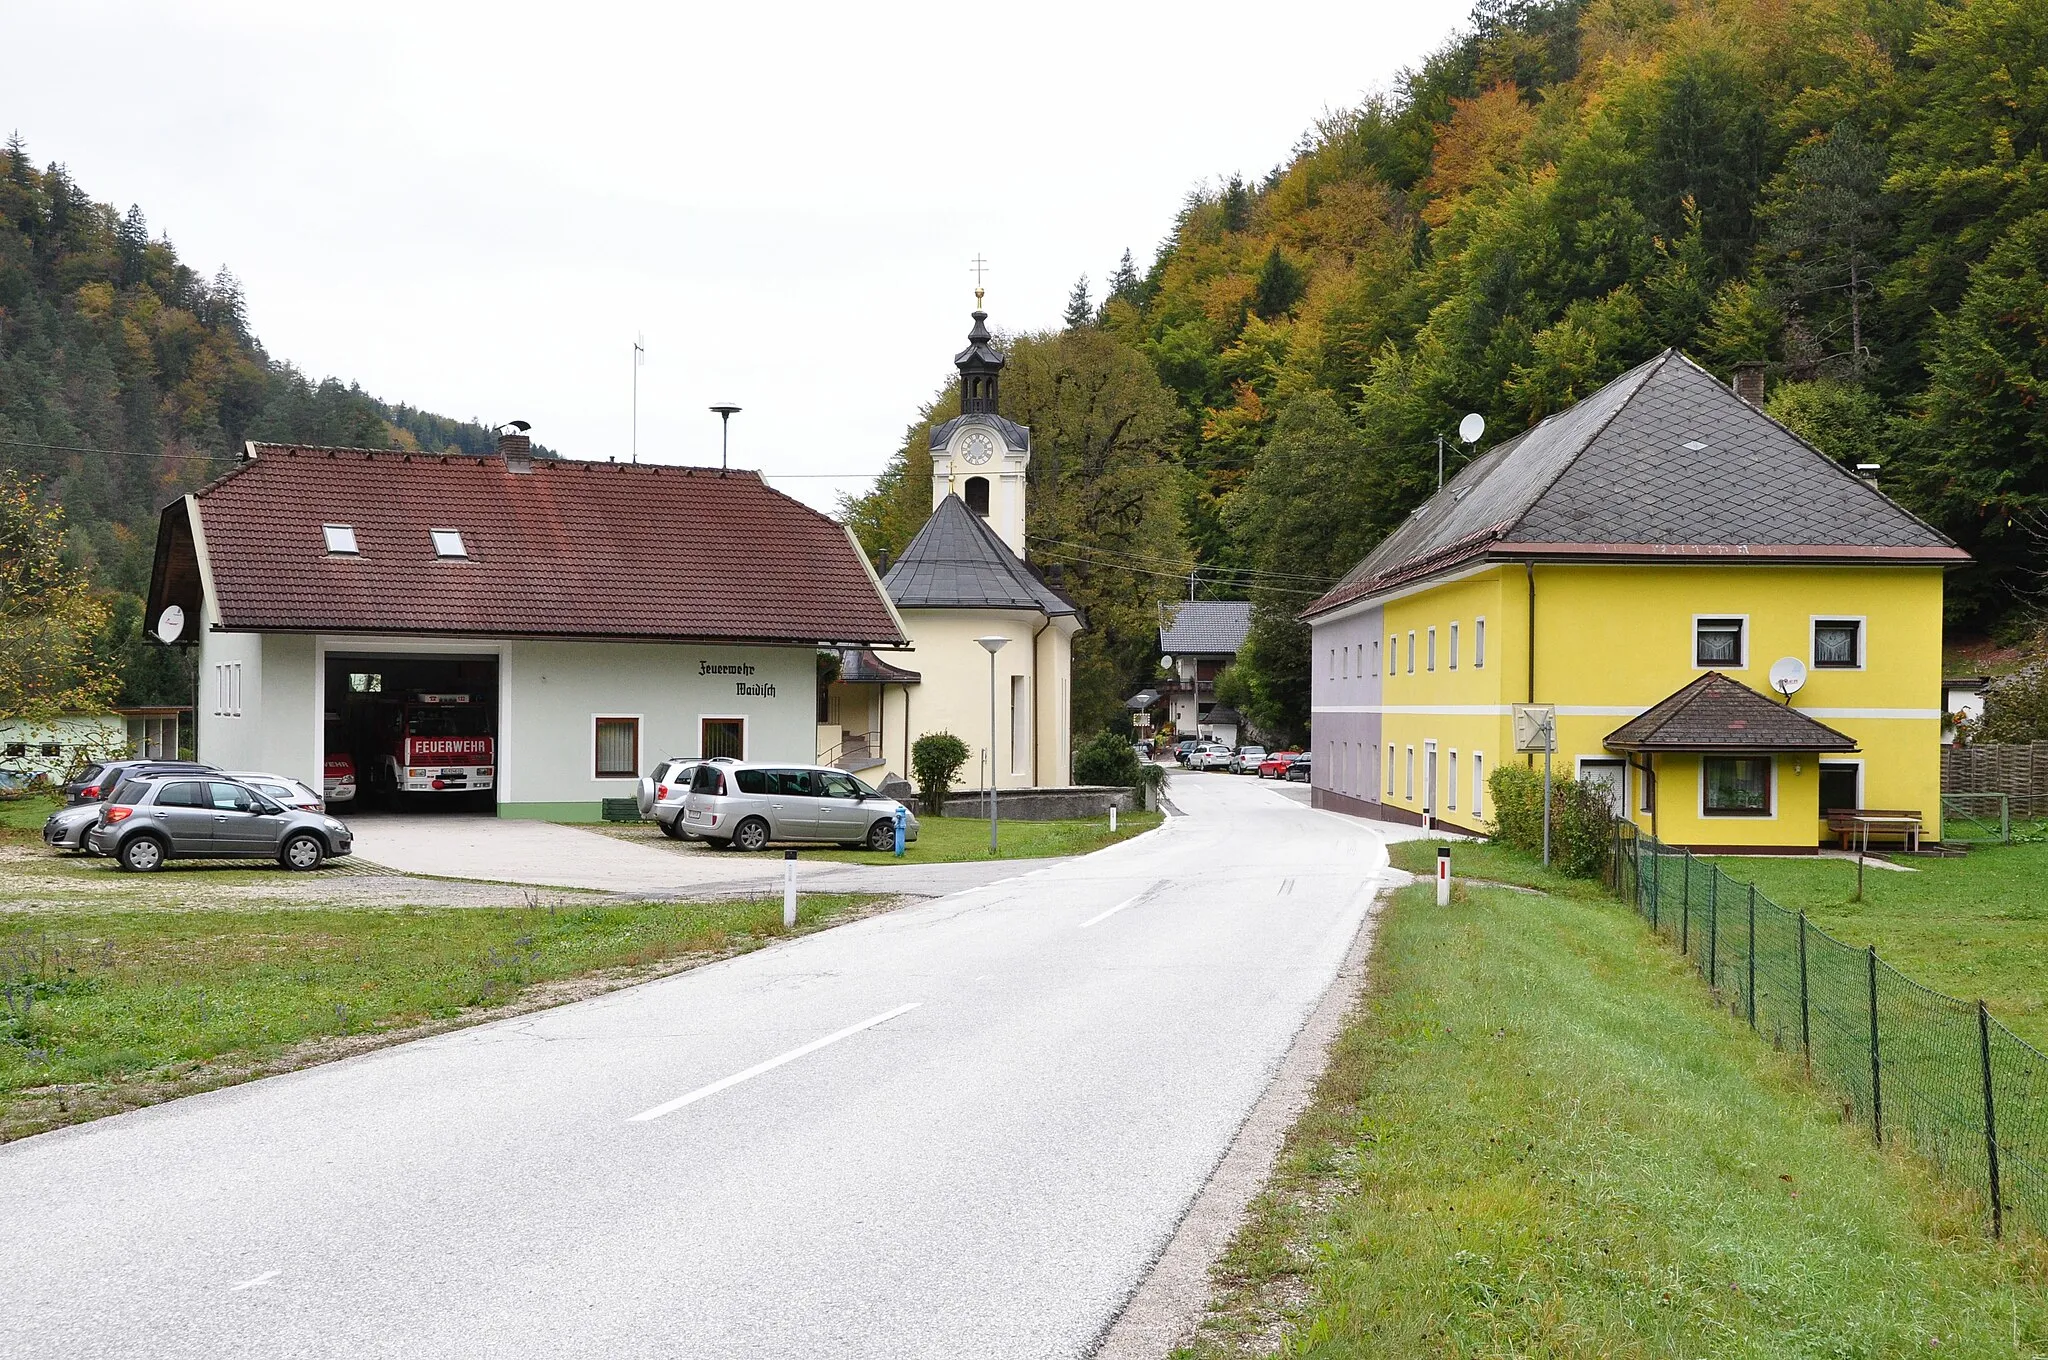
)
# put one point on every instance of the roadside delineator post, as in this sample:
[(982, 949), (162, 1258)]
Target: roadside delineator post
[(1112, 819), (789, 888), (1443, 875)]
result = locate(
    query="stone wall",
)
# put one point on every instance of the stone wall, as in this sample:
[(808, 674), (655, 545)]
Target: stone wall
[(1036, 805)]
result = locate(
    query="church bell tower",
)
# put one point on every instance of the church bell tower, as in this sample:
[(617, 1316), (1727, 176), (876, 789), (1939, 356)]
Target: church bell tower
[(978, 455)]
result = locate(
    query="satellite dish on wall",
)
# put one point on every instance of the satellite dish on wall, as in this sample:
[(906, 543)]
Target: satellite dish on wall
[(1471, 427), (1788, 673), (170, 624)]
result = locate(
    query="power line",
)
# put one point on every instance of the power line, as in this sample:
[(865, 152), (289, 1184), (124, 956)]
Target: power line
[(1179, 575), (114, 453), (1216, 573)]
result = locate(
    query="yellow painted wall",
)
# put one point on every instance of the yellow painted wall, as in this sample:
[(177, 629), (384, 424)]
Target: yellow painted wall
[(1612, 640), (953, 694), (1474, 695)]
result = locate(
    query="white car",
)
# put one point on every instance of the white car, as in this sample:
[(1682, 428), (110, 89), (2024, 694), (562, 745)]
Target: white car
[(1210, 755), (661, 791), (281, 789), (1247, 759)]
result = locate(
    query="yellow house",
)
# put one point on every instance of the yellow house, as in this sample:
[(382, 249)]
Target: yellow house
[(1645, 562)]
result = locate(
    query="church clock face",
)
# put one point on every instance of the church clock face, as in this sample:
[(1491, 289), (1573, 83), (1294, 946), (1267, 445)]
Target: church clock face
[(977, 448)]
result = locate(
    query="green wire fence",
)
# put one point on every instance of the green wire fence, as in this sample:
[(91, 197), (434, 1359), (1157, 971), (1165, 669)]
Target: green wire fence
[(1916, 1064)]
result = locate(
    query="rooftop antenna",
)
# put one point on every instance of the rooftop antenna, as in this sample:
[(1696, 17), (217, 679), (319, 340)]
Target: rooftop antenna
[(639, 358), (1469, 430), (726, 410)]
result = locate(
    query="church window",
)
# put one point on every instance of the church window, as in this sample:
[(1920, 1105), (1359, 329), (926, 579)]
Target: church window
[(977, 495)]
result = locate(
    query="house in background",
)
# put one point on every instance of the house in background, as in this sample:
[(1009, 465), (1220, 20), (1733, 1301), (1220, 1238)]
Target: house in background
[(1641, 560), (54, 749), (1197, 639)]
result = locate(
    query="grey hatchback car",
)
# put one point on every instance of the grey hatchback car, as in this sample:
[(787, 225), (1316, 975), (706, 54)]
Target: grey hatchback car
[(149, 821), (746, 806)]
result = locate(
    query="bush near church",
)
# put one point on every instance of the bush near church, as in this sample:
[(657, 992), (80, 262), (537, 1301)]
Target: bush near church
[(1581, 818), (1107, 760), (935, 759)]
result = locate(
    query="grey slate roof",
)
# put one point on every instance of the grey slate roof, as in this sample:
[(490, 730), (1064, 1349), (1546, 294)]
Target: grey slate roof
[(859, 666), (957, 562), (1206, 627), (1014, 436), (1665, 461), (1715, 714)]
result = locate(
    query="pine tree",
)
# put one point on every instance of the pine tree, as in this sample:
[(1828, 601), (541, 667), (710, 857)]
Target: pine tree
[(1079, 311), (1279, 286), (1827, 220), (133, 237), (1123, 284), (17, 159)]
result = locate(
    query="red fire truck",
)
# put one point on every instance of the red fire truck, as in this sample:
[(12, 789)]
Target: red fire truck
[(435, 743)]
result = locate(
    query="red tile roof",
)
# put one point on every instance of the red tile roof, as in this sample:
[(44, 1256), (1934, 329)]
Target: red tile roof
[(571, 549)]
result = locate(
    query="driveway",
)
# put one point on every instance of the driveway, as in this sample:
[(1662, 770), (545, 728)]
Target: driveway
[(961, 1129), (549, 854)]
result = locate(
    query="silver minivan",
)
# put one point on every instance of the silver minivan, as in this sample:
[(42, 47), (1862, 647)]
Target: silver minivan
[(748, 805)]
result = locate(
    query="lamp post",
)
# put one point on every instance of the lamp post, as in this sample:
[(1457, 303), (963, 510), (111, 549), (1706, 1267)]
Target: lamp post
[(726, 410), (994, 645)]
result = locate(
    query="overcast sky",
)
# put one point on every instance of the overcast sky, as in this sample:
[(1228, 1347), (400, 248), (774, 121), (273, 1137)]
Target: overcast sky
[(476, 209)]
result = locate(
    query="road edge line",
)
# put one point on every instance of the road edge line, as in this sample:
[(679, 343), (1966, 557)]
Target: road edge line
[(1174, 1296)]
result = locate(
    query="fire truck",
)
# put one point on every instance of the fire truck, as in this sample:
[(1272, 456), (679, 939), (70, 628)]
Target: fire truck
[(434, 743)]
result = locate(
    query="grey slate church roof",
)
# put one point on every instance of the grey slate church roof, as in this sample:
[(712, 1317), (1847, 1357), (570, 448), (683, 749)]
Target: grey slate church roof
[(957, 562), (1665, 463), (1206, 627), (1015, 436)]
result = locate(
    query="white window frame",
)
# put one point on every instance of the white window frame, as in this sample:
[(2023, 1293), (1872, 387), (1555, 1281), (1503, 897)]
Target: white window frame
[(1479, 643), (1479, 784), (1347, 661), (1430, 660), (1454, 645), (335, 534), (1717, 816), (1411, 651), (1862, 622), (1333, 663), (1429, 774), (1409, 796), (1858, 762), (1375, 655), (1390, 769), (441, 548), (1020, 724), (1451, 783), (1579, 764), (1393, 653), (1692, 642), (235, 689), (639, 721)]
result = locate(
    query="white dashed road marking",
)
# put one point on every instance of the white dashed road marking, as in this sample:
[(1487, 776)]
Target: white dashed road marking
[(757, 1069)]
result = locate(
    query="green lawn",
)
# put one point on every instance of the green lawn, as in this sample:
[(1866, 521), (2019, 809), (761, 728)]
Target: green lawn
[(26, 814), (1971, 927), (100, 1010), (951, 840), (1538, 1137), (1493, 863)]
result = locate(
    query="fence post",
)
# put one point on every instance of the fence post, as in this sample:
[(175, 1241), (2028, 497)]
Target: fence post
[(1876, 1078), (1751, 986), (1685, 924), (1805, 1022), (1714, 929), (1990, 1121)]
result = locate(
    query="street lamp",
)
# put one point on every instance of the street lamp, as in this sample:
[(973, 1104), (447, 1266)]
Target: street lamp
[(726, 410), (994, 645)]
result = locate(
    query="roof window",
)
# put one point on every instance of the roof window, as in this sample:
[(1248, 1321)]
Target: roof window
[(341, 539), (448, 543)]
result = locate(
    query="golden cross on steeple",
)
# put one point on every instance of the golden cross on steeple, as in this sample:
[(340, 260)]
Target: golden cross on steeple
[(980, 267)]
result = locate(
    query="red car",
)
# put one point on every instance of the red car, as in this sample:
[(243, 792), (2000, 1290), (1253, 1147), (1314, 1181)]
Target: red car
[(1275, 766)]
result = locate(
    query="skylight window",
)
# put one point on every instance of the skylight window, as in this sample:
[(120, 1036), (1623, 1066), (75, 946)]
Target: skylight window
[(448, 543), (341, 538)]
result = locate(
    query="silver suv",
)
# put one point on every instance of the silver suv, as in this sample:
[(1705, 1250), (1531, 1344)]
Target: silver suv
[(148, 821), (746, 806), (663, 789)]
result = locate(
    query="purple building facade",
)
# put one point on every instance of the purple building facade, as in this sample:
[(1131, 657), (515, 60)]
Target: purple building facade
[(1345, 698)]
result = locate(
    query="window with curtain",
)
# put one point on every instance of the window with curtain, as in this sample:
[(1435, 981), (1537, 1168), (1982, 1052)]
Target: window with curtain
[(1717, 642), (1737, 786), (1838, 644), (618, 748)]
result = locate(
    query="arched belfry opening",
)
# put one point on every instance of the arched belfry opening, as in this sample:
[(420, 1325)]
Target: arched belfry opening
[(977, 495)]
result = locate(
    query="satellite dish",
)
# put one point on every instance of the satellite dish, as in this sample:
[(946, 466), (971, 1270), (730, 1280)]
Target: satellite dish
[(1471, 427), (170, 624), (1165, 662), (1788, 673)]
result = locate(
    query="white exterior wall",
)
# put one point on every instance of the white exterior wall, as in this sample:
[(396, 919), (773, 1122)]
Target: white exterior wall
[(230, 724), (79, 740), (953, 696)]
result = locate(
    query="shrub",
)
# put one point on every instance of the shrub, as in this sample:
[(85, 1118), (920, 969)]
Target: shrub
[(935, 758), (1581, 818), (1107, 759)]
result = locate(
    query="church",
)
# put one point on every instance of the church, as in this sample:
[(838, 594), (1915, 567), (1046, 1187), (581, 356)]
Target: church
[(964, 582)]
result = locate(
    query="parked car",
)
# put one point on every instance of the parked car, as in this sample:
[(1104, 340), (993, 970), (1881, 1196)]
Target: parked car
[(1210, 755), (68, 826), (151, 820), (1275, 765), (662, 790), (338, 777), (281, 789), (1184, 748), (96, 782), (745, 806), (1245, 759), (1298, 770)]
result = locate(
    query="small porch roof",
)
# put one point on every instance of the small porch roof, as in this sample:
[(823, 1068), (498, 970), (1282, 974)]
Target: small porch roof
[(1719, 716), (859, 666)]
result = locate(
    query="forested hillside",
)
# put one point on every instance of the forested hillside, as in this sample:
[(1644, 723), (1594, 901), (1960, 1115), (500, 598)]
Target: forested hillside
[(127, 377), (1852, 191)]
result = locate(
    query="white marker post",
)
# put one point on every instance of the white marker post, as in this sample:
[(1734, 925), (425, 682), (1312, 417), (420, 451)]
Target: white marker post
[(789, 890), (1112, 819), (1443, 875)]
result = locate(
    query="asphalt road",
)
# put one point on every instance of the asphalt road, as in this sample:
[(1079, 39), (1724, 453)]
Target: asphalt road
[(1048, 1071)]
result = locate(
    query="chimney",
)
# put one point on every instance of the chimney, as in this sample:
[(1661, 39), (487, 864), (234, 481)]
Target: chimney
[(884, 565), (1748, 382), (516, 448)]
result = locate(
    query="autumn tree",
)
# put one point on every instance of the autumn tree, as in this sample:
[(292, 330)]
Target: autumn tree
[(49, 616)]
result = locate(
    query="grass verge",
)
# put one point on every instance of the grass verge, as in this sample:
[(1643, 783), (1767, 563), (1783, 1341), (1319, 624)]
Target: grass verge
[(1491, 863), (103, 1011), (1537, 1137), (955, 840), (1971, 927)]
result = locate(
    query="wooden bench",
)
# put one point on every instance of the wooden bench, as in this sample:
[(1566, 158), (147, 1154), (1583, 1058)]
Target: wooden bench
[(621, 809), (1849, 826)]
